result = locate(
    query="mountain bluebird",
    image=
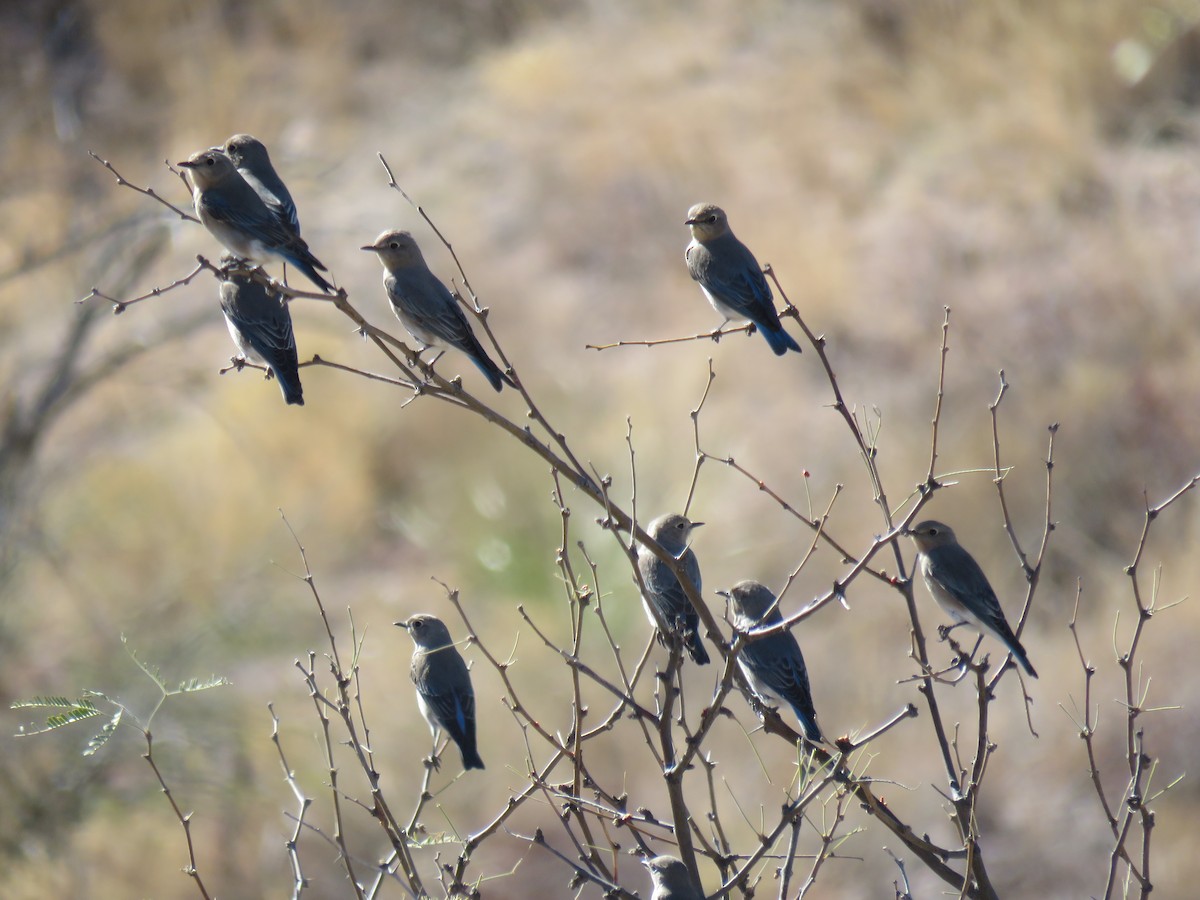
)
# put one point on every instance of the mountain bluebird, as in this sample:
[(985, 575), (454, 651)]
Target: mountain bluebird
[(773, 664), (960, 587), (237, 217), (425, 306), (730, 276), (443, 683), (663, 591), (671, 879), (254, 164), (261, 326)]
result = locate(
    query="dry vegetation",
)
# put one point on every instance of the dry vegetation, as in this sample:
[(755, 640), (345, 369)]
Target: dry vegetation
[(990, 157)]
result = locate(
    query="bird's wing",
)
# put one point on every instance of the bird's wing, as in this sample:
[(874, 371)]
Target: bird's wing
[(740, 286), (454, 708), (962, 578), (269, 331), (437, 312), (454, 711), (248, 214), (777, 660), (276, 197), (667, 592)]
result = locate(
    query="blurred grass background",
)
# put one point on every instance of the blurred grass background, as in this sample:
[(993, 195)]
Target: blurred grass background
[(1033, 166)]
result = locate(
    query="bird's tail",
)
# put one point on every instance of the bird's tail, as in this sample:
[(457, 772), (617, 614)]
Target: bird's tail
[(695, 648), (471, 758), (293, 392), (1018, 652), (497, 378), (308, 264), (999, 629), (809, 723), (781, 342)]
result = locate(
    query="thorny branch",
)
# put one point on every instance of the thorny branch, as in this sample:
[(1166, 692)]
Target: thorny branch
[(591, 813)]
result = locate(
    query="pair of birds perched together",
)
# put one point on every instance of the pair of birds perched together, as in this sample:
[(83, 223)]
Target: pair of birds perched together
[(773, 664), (244, 204)]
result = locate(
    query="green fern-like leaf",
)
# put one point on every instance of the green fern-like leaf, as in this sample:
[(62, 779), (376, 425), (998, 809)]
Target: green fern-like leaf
[(201, 684), (48, 703), (78, 714), (99, 740), (152, 672), (76, 711)]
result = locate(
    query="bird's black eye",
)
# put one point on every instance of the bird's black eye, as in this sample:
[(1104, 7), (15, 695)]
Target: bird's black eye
[(210, 160), (418, 624), (712, 220), (395, 245)]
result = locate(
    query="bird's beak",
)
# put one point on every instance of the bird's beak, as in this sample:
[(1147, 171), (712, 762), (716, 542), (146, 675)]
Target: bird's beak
[(697, 524), (724, 594), (403, 625), (186, 164), (691, 221), (368, 247)]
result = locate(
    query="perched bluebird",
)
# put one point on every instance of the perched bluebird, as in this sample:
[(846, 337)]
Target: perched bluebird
[(960, 587), (261, 326), (443, 683), (671, 879), (730, 276), (663, 591), (237, 217), (254, 163), (425, 306), (773, 664)]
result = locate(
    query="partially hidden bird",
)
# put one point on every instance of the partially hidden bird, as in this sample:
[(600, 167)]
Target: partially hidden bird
[(252, 160), (773, 665), (261, 327), (663, 592), (670, 879)]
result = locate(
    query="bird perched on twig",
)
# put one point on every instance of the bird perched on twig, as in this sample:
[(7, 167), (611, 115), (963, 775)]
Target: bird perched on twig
[(663, 591), (443, 684), (236, 216), (773, 665), (730, 276), (250, 156), (425, 306), (960, 588), (671, 879), (261, 327)]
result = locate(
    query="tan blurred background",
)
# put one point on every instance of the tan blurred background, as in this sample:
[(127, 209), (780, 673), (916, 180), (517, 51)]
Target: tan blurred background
[(1031, 165)]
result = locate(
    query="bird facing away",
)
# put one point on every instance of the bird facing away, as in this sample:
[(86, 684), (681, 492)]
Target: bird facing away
[(444, 691), (730, 276), (663, 591), (261, 327), (773, 664), (425, 306), (671, 879), (236, 216), (960, 588), (250, 157)]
